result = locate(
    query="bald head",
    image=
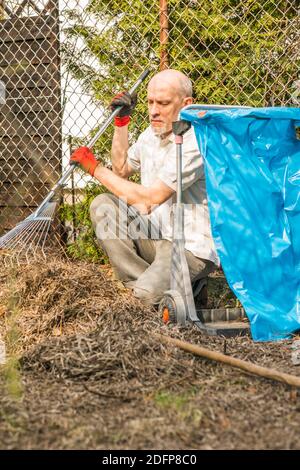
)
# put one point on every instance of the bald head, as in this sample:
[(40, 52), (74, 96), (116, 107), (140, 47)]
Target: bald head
[(168, 92), (175, 80)]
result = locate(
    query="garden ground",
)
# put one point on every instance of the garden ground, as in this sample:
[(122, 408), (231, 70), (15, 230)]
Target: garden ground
[(85, 371)]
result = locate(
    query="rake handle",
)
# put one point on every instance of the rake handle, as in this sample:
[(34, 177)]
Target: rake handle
[(116, 111), (103, 128), (91, 143)]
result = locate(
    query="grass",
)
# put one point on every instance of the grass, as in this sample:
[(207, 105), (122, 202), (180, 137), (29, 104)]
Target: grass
[(11, 368), (181, 404), (165, 399)]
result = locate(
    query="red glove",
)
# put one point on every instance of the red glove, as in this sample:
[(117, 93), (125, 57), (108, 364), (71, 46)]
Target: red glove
[(86, 159), (128, 103)]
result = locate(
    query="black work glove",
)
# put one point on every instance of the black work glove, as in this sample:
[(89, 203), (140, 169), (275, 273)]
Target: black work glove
[(126, 100)]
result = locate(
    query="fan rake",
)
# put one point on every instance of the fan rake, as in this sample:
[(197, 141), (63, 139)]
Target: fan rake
[(27, 240)]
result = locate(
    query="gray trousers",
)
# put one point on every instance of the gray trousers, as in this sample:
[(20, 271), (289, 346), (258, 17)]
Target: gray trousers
[(141, 263)]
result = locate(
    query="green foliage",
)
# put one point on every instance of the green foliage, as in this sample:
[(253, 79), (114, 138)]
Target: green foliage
[(235, 52), (84, 246)]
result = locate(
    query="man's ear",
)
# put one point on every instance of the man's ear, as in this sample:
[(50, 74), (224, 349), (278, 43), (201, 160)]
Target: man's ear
[(188, 100)]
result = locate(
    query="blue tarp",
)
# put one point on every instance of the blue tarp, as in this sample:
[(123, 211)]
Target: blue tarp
[(252, 167)]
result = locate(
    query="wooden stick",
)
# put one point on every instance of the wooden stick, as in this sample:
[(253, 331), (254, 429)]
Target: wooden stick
[(232, 361)]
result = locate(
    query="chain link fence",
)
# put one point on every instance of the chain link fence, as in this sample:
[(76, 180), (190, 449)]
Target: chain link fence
[(61, 61)]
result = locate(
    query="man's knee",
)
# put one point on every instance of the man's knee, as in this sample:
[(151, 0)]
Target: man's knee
[(103, 214), (148, 295), (105, 199)]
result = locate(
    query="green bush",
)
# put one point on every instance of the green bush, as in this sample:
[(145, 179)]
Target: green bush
[(84, 246)]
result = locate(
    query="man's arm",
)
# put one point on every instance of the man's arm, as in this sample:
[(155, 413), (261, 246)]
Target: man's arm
[(120, 146), (145, 199), (120, 142)]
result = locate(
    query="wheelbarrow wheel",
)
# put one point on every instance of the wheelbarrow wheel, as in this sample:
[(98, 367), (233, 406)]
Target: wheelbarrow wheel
[(172, 308)]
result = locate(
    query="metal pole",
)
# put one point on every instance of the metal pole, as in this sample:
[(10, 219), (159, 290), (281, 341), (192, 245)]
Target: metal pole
[(163, 34), (179, 141)]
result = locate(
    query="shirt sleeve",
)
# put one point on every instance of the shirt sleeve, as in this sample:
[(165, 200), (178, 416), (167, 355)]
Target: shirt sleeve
[(192, 166), (133, 156)]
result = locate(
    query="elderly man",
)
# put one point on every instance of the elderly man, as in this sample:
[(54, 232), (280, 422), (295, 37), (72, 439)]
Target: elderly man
[(133, 223)]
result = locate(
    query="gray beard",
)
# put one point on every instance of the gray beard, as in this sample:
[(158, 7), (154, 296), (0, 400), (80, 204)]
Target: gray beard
[(160, 130)]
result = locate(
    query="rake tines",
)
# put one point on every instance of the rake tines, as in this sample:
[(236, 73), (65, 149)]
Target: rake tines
[(27, 239)]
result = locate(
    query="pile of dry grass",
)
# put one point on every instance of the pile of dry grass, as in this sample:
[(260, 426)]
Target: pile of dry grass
[(89, 356), (86, 323), (58, 298), (76, 323)]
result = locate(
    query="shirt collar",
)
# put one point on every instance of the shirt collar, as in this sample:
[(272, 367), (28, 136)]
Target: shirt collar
[(169, 138)]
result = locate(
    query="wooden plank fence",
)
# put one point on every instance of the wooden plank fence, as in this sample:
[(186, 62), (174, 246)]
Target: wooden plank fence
[(30, 118)]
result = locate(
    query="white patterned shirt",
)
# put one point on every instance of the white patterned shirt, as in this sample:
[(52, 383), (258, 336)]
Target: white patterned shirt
[(155, 158)]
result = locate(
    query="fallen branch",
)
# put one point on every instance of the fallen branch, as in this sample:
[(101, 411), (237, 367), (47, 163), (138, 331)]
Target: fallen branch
[(232, 361)]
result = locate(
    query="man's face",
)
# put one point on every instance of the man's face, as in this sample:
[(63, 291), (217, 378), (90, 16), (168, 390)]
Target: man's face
[(165, 100)]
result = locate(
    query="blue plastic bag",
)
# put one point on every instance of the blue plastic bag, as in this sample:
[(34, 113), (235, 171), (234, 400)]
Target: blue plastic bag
[(252, 167)]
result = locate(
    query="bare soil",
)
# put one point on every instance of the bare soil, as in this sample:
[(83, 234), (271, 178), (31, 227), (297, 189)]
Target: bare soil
[(86, 372)]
